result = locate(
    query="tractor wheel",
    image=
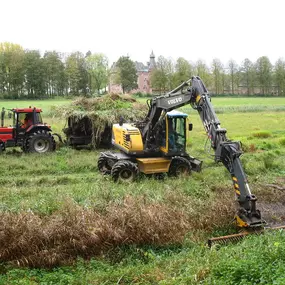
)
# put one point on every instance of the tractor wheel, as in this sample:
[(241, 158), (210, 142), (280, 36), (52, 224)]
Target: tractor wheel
[(2, 147), (105, 164), (179, 166), (124, 171), (40, 141)]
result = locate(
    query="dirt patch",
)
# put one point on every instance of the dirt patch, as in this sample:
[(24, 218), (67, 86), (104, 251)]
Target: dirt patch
[(273, 213), (271, 201)]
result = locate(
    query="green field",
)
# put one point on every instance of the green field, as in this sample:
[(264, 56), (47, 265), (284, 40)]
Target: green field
[(46, 105), (72, 225), (244, 101)]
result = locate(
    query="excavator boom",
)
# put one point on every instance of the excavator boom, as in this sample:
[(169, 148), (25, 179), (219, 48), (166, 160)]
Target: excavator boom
[(228, 152)]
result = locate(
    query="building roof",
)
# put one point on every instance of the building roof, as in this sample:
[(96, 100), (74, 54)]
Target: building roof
[(140, 66)]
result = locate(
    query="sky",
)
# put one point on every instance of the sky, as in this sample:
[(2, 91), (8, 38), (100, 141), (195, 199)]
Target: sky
[(200, 29)]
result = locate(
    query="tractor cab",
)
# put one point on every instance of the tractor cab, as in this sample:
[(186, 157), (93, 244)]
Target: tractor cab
[(26, 117), (174, 133)]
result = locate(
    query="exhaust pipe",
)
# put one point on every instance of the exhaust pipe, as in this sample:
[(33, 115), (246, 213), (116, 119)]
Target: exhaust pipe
[(2, 117)]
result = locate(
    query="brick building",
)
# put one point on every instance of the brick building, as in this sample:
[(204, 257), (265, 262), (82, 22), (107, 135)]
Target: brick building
[(143, 73)]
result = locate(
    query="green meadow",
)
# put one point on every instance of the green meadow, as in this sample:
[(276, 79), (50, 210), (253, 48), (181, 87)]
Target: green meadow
[(62, 222)]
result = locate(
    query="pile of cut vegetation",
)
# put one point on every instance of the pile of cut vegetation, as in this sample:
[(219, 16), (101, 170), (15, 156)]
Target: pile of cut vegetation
[(90, 120)]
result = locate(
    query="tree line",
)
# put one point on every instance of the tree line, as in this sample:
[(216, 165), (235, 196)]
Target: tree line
[(249, 78), (29, 74)]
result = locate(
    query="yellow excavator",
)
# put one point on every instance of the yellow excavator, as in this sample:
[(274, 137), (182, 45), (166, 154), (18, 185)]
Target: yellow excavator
[(158, 145)]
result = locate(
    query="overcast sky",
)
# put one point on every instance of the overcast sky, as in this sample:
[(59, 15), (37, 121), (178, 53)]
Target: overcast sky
[(201, 29)]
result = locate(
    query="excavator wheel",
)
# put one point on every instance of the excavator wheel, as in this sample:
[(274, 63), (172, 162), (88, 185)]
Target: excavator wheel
[(40, 141), (105, 165), (179, 166), (124, 171)]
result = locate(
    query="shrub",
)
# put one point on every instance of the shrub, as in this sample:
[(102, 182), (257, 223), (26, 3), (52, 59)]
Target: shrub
[(282, 141), (248, 148), (143, 95), (269, 161), (268, 146), (262, 134)]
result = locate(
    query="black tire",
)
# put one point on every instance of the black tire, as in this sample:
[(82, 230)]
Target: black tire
[(40, 141), (124, 171), (179, 166), (2, 147), (105, 165)]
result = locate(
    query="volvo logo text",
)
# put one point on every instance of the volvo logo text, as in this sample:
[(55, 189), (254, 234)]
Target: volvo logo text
[(173, 101)]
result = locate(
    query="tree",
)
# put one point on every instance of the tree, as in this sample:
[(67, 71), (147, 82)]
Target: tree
[(234, 75), (183, 71), (127, 74), (54, 73), (264, 72), (76, 74), (97, 68), (202, 71), (34, 74), (162, 77), (218, 73), (279, 76), (2, 73), (12, 68), (248, 75)]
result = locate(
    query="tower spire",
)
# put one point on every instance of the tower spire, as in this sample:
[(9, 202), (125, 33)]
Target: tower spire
[(152, 63)]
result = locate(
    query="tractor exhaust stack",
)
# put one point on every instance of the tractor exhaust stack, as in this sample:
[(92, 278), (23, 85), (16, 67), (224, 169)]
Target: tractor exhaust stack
[(2, 117)]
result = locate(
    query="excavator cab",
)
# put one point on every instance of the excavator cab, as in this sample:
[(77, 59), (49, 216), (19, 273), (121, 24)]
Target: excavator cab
[(174, 133)]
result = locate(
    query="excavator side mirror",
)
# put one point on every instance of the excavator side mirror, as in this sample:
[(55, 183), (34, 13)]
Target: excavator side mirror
[(190, 127)]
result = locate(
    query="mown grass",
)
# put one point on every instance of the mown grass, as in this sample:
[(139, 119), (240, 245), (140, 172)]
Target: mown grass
[(57, 208)]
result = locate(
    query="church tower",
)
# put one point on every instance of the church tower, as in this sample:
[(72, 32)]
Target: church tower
[(152, 63)]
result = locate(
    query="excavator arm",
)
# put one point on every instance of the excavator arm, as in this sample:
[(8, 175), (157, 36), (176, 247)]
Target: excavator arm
[(226, 151)]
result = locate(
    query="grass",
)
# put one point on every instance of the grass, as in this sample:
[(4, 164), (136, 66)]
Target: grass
[(243, 101), (58, 212), (243, 105), (257, 260), (45, 105)]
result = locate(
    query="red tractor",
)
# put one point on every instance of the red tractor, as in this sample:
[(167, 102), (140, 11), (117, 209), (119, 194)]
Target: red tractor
[(28, 131)]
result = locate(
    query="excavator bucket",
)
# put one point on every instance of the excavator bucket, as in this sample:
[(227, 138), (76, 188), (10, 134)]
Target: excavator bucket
[(224, 240)]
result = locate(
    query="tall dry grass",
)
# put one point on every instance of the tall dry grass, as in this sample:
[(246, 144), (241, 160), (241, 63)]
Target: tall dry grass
[(30, 240)]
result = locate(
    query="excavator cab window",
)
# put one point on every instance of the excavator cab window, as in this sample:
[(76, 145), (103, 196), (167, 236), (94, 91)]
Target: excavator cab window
[(176, 134)]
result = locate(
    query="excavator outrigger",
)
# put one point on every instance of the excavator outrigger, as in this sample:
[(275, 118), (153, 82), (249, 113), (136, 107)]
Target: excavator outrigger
[(147, 146)]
